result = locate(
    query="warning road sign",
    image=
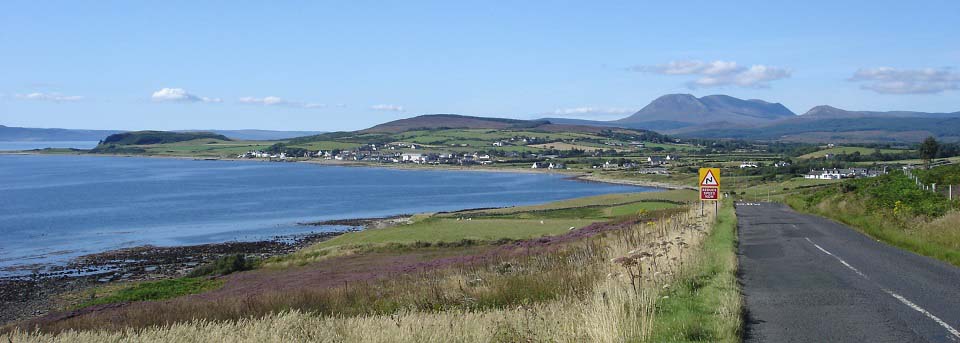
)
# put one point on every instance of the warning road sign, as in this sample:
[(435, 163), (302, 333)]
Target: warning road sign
[(709, 178), (709, 183)]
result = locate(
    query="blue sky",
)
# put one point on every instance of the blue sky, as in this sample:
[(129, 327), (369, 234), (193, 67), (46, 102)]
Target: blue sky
[(302, 65)]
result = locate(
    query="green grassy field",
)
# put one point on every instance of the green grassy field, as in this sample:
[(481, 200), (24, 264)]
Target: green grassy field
[(480, 137), (204, 148), (955, 159), (635, 208), (606, 199), (452, 230), (326, 145), (778, 190), (668, 146), (491, 225), (848, 150), (154, 290), (675, 178)]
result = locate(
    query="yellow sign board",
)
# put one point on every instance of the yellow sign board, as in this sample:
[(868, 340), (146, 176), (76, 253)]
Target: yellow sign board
[(709, 183)]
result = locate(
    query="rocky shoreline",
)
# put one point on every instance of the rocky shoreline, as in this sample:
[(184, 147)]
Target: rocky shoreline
[(30, 296), (367, 223)]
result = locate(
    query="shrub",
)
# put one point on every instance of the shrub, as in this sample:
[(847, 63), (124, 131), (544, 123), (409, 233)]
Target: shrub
[(225, 265)]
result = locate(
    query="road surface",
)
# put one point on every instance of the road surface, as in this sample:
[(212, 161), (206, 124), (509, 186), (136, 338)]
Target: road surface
[(809, 279)]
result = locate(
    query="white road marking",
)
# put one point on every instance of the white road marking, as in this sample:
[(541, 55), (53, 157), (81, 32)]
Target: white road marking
[(903, 300), (838, 259), (925, 312)]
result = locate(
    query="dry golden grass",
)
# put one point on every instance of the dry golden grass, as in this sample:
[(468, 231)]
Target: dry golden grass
[(635, 264), (945, 229)]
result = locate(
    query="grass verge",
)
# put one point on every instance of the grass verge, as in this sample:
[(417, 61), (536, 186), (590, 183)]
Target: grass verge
[(704, 305)]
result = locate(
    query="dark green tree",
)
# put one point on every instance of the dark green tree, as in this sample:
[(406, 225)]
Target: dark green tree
[(929, 149)]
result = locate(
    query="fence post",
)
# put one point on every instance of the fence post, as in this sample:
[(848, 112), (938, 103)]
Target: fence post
[(950, 192)]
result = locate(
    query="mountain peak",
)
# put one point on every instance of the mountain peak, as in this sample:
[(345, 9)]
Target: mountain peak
[(825, 111), (688, 110)]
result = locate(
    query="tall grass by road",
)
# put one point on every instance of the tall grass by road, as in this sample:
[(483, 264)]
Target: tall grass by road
[(704, 304)]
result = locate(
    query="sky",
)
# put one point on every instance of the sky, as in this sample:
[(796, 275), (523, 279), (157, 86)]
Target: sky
[(346, 65)]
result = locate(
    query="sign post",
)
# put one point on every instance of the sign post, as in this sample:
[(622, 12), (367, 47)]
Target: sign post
[(709, 186)]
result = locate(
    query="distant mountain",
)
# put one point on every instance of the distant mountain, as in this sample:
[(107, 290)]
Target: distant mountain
[(675, 111), (831, 124), (45, 135), (830, 112), (721, 116), (452, 121), (14, 134)]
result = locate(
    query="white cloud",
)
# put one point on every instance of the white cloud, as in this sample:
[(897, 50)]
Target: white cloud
[(56, 97), (591, 110), (270, 100), (387, 107), (277, 101), (719, 73), (888, 80), (179, 95)]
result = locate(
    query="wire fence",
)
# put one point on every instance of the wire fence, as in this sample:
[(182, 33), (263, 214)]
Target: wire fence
[(948, 191)]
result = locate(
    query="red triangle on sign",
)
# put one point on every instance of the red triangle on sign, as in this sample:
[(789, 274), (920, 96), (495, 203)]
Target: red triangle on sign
[(709, 179)]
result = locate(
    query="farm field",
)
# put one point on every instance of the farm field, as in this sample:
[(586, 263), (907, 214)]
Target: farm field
[(203, 148), (848, 150)]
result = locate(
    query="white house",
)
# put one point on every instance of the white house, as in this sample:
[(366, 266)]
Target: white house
[(748, 165), (825, 174), (415, 158)]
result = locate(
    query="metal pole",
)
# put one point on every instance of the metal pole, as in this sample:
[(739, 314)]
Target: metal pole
[(701, 208), (950, 192)]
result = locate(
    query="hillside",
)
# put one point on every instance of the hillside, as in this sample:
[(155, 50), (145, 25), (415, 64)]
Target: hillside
[(469, 131), (157, 137), (258, 135), (451, 121)]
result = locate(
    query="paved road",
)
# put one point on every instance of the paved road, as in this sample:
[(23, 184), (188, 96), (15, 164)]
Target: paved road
[(809, 279)]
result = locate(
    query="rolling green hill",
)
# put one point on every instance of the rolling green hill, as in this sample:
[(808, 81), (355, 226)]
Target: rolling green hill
[(133, 142), (157, 137)]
